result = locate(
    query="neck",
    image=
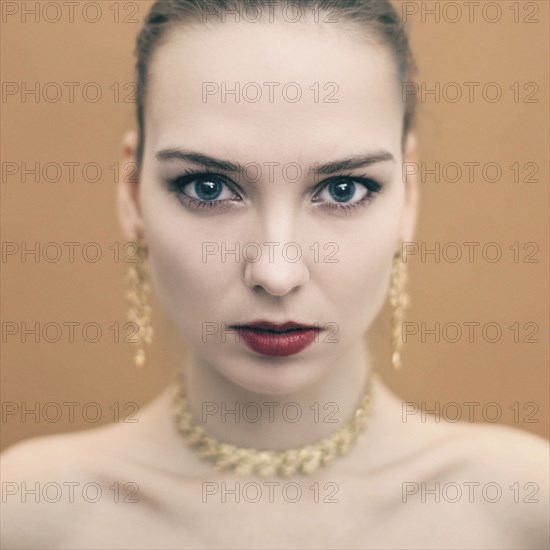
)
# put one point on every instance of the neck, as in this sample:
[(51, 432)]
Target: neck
[(234, 415)]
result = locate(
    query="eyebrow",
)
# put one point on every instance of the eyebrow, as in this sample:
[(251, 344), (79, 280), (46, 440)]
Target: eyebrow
[(213, 163)]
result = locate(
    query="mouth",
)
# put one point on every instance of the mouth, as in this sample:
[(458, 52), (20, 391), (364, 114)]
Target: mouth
[(277, 339), (276, 328)]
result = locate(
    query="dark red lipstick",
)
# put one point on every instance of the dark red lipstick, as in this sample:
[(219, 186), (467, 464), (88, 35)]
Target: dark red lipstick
[(277, 339)]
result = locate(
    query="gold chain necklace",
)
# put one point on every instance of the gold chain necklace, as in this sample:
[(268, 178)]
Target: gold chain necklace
[(248, 461)]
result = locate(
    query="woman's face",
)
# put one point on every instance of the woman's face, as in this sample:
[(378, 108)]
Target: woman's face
[(230, 93)]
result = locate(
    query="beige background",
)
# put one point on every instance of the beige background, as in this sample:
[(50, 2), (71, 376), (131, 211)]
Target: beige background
[(504, 212)]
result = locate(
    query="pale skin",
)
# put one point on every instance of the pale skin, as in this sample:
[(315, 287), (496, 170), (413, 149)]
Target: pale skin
[(366, 499)]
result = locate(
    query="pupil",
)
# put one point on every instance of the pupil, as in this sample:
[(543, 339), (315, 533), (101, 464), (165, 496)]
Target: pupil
[(342, 191), (208, 190)]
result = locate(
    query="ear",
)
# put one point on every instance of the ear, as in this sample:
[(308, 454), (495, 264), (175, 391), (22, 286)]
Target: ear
[(129, 211), (410, 180)]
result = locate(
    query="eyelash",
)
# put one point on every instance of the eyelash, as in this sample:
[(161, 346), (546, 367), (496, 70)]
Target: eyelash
[(178, 184)]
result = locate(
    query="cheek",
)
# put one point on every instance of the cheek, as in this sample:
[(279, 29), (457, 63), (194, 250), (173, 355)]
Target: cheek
[(189, 285), (358, 282)]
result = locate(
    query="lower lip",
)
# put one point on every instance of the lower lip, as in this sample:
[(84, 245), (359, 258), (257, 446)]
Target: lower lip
[(278, 345)]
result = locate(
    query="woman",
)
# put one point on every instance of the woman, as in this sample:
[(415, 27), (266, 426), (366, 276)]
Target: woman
[(269, 206)]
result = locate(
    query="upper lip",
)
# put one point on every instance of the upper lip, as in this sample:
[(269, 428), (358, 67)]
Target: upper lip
[(278, 327)]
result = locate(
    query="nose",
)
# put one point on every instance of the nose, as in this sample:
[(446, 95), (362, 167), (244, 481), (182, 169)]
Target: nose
[(278, 266)]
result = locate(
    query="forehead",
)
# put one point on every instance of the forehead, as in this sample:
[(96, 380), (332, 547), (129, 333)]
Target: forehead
[(272, 91)]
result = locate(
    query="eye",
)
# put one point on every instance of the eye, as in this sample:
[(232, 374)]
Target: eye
[(207, 189), (347, 192), (201, 190)]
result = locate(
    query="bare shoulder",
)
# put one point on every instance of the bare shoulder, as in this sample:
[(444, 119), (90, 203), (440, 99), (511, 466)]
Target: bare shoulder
[(88, 451), (40, 477), (499, 473), (50, 482), (66, 453), (485, 447), (509, 471)]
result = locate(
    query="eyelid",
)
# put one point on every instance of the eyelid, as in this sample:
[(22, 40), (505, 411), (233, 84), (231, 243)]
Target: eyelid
[(226, 179), (359, 178), (189, 176)]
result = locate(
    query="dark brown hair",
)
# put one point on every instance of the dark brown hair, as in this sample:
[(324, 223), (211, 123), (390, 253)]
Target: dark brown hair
[(376, 19)]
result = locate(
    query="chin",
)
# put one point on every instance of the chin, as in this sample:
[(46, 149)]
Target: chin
[(272, 375)]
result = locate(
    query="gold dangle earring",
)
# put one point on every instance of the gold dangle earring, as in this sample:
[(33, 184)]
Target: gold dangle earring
[(399, 301), (139, 312)]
